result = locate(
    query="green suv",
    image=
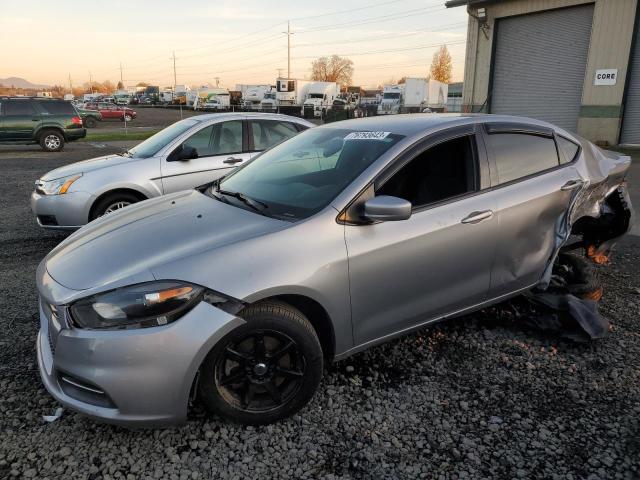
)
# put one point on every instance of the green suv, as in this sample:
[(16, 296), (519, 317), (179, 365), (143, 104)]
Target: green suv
[(47, 121)]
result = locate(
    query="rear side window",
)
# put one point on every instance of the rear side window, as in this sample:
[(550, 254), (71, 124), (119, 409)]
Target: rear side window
[(58, 108), (17, 107), (267, 133), (520, 155), (568, 150)]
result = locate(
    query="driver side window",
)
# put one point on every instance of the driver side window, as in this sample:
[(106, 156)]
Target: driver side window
[(201, 141), (441, 172), (218, 139), (227, 138)]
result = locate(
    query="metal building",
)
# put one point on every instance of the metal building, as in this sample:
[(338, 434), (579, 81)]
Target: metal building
[(575, 63)]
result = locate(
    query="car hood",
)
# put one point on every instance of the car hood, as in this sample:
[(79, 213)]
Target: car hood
[(128, 243), (86, 166)]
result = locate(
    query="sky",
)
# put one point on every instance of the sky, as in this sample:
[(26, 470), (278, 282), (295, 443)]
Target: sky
[(238, 42)]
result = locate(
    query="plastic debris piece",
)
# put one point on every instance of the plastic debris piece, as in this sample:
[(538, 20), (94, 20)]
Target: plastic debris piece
[(56, 415)]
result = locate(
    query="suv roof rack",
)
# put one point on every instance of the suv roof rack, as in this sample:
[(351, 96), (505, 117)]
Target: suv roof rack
[(30, 97)]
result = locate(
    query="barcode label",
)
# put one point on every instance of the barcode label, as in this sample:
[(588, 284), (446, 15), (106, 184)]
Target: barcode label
[(367, 135)]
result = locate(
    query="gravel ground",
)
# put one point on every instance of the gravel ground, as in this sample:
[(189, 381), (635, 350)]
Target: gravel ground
[(477, 397)]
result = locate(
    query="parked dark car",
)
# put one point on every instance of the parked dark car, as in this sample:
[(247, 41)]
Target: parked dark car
[(46, 121)]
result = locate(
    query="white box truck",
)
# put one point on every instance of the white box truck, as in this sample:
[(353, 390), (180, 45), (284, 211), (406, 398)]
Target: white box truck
[(414, 96), (319, 98), (253, 95)]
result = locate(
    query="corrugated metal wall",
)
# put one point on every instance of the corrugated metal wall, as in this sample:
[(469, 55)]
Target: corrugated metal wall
[(539, 64), (631, 119)]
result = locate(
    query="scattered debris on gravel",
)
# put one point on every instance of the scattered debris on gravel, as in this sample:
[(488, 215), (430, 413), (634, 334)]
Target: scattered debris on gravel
[(484, 396)]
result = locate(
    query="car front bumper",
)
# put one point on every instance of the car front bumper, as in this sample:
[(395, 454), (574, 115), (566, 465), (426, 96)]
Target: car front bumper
[(141, 377), (62, 212)]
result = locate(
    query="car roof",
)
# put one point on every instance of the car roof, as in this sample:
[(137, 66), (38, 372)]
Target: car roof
[(413, 123), (252, 115)]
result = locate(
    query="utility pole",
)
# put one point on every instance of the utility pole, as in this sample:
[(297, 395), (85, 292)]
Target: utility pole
[(121, 80), (288, 33), (175, 81), (70, 84), (279, 72), (90, 81), (217, 79)]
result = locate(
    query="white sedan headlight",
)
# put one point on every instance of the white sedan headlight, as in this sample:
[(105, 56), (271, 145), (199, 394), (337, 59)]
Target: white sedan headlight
[(59, 186)]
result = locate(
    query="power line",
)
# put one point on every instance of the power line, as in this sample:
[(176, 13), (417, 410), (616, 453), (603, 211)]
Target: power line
[(391, 50), (451, 26), (382, 18), (368, 7)]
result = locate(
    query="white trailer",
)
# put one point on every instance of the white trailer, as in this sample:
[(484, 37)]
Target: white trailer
[(416, 92), (437, 95), (212, 99), (290, 91), (319, 98), (252, 97), (69, 96)]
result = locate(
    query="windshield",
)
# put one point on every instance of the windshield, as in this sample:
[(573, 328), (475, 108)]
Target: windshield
[(390, 95), (154, 144), (315, 95), (303, 175), (270, 96)]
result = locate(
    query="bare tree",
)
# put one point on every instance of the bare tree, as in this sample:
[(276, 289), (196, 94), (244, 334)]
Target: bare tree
[(441, 65), (332, 69), (120, 86)]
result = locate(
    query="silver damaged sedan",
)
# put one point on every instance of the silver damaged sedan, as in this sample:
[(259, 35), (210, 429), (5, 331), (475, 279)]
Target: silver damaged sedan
[(188, 153), (343, 237)]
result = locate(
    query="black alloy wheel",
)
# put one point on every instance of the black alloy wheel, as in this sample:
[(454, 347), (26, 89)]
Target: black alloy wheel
[(265, 369), (261, 372)]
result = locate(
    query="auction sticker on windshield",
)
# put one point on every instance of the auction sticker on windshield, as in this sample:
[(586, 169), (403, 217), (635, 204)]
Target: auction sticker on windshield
[(367, 135)]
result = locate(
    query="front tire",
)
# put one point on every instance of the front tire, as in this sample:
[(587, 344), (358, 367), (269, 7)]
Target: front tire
[(111, 203), (51, 141), (265, 370), (90, 122)]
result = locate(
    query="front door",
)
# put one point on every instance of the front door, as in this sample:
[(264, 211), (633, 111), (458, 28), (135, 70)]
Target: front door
[(438, 262), (19, 119), (221, 147)]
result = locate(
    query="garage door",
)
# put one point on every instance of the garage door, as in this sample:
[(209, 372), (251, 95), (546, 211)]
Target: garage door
[(539, 65), (631, 119)]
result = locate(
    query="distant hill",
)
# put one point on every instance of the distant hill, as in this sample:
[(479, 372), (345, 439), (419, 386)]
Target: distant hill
[(18, 82)]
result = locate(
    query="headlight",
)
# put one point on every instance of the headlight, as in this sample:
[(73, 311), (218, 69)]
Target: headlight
[(138, 306), (59, 186)]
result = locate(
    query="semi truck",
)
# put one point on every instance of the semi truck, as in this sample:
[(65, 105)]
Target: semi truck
[(253, 95), (319, 98), (413, 96)]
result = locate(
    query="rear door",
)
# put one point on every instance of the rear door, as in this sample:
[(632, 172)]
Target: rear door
[(221, 147), (533, 190), (20, 119), (264, 134)]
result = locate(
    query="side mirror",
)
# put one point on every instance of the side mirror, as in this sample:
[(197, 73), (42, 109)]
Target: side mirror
[(182, 154), (387, 209)]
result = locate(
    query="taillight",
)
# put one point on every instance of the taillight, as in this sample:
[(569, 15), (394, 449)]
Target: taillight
[(76, 121)]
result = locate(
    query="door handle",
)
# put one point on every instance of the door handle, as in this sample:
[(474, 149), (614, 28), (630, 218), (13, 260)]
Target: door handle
[(232, 160), (477, 217), (572, 185)]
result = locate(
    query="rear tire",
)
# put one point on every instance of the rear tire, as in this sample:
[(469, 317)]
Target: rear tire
[(90, 122), (264, 370), (111, 203), (51, 140)]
